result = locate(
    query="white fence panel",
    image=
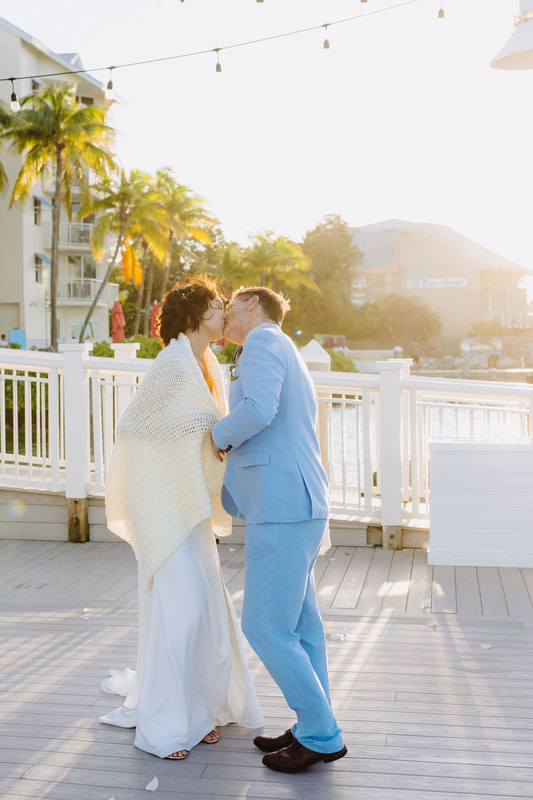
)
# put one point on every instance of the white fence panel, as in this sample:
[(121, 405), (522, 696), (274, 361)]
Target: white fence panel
[(374, 430)]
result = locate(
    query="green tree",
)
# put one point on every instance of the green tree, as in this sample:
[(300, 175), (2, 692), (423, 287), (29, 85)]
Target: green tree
[(61, 138), (277, 262), (5, 122), (487, 327), (398, 319), (129, 209), (332, 253), (186, 217)]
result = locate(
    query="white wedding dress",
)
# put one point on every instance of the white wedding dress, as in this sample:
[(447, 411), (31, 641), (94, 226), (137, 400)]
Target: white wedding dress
[(191, 671)]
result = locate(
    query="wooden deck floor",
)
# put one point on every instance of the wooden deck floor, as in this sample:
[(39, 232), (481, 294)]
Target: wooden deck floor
[(430, 672)]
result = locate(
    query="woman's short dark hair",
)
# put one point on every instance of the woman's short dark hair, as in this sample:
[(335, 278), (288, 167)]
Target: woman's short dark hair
[(184, 307), (274, 305)]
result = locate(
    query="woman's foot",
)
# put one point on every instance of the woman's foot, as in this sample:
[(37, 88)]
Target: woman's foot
[(179, 755), (212, 737)]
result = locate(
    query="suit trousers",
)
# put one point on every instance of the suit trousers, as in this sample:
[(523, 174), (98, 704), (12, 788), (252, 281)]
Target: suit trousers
[(282, 622)]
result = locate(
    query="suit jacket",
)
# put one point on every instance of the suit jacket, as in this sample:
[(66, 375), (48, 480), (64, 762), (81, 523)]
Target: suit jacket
[(274, 472)]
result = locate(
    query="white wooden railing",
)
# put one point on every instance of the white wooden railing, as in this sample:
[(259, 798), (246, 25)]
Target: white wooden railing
[(77, 234), (76, 291), (374, 430)]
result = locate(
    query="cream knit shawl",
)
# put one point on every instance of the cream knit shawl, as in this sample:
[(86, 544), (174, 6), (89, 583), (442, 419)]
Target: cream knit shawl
[(163, 475)]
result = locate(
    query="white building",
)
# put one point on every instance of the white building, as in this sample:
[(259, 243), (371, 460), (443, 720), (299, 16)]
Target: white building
[(458, 278), (25, 231)]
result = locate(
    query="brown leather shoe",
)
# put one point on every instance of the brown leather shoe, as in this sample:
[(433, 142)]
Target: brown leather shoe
[(296, 757), (269, 744)]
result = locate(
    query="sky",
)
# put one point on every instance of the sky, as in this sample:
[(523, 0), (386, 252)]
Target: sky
[(401, 118)]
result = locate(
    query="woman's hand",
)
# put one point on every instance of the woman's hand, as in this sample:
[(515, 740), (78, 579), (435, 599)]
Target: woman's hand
[(218, 453)]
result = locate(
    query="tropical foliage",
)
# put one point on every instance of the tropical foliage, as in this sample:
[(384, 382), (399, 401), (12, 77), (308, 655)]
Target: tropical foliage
[(331, 254), (129, 210), (277, 262), (60, 140)]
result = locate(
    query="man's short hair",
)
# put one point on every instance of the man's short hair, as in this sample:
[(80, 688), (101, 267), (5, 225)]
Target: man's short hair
[(274, 305)]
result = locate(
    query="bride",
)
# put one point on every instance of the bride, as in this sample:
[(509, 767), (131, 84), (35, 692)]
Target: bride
[(163, 478)]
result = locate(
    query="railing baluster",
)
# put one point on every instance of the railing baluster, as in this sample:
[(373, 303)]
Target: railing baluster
[(28, 443)]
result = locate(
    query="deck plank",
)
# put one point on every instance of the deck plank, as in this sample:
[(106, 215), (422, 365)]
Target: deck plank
[(354, 578), (492, 594), (467, 590), (376, 581), (451, 721), (399, 580), (444, 597)]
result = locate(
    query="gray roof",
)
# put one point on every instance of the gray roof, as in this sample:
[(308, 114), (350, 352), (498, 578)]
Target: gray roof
[(65, 61)]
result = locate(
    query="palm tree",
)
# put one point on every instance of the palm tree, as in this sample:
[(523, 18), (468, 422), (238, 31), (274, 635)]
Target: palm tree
[(57, 136), (277, 260), (186, 216), (128, 208), (231, 271), (5, 122)]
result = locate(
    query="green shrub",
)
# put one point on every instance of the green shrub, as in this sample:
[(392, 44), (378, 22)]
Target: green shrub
[(150, 348), (102, 350), (340, 362), (226, 353)]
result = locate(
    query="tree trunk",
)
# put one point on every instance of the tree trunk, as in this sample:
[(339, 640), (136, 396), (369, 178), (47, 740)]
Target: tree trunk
[(167, 265), (105, 280), (140, 292), (56, 213), (148, 303)]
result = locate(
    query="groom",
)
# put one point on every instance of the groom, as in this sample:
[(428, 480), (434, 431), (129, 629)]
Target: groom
[(275, 480)]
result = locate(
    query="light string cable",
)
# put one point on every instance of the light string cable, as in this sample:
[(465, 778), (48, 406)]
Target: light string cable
[(215, 50)]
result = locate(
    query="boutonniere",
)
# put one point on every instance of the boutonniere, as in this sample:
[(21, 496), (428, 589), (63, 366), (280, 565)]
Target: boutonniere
[(232, 376)]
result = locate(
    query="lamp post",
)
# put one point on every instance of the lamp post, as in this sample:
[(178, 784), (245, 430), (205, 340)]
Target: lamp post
[(517, 52)]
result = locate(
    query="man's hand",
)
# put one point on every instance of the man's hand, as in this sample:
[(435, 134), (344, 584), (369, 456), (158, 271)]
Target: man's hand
[(218, 453)]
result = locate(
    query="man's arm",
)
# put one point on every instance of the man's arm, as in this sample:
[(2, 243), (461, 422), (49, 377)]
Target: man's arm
[(262, 368)]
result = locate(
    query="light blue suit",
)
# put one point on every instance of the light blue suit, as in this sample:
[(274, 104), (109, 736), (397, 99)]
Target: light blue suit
[(275, 480)]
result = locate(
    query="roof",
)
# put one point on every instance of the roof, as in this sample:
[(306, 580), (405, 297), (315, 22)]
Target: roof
[(66, 61), (445, 234)]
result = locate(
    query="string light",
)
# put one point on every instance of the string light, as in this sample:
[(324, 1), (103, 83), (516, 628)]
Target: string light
[(326, 41), (109, 92), (15, 105), (441, 13), (218, 49)]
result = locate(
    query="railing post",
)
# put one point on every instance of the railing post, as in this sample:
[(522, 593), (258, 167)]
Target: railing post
[(76, 403), (390, 450), (125, 351), (316, 358)]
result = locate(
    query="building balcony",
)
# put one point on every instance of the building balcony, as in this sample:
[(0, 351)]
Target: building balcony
[(72, 235), (82, 291), (49, 183)]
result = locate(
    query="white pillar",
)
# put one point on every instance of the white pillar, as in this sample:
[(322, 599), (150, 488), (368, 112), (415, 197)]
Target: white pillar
[(125, 352), (390, 449), (76, 404), (316, 358), (76, 401)]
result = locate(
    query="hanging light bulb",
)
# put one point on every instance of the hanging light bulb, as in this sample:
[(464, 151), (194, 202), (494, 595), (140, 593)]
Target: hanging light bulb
[(326, 41), (15, 105), (441, 13), (109, 91), (219, 65), (259, 1)]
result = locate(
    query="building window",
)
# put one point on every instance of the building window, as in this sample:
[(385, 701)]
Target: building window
[(81, 267), (91, 331), (85, 101), (39, 267), (35, 87), (37, 209)]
